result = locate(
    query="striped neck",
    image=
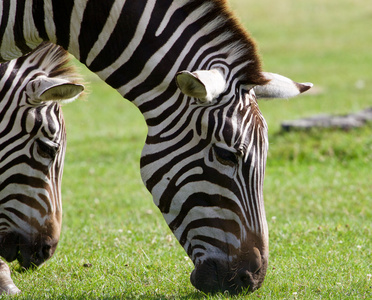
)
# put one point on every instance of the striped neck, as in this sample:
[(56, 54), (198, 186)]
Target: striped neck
[(123, 41)]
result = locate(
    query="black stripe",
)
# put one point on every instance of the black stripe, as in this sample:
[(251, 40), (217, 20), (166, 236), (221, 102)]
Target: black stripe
[(5, 113), (149, 45), (120, 37), (49, 111), (95, 16), (193, 250), (9, 222), (204, 200), (160, 71), (18, 28), (23, 159), (26, 200), (62, 10), (209, 174), (222, 245), (23, 179), (26, 218), (39, 17), (228, 226), (166, 113), (154, 157)]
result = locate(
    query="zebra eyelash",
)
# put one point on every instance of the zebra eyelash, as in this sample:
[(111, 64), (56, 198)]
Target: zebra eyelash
[(225, 157), (47, 148)]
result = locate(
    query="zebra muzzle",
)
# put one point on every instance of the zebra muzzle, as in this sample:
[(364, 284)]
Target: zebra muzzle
[(36, 252), (217, 275), (29, 253)]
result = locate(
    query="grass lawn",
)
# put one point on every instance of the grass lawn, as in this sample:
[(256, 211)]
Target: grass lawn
[(318, 185)]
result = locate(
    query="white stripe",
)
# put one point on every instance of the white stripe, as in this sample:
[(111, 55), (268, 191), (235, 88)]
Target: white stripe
[(210, 232), (34, 193), (132, 46), (106, 31), (29, 29), (159, 55), (50, 27), (173, 7), (7, 74), (1, 10), (75, 26)]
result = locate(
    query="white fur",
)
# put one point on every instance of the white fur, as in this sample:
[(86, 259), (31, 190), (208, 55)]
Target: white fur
[(280, 87), (204, 85)]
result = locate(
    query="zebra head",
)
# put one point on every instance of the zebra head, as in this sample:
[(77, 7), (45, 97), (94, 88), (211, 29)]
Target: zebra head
[(32, 148), (206, 176)]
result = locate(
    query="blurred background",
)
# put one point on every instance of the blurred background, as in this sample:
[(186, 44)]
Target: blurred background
[(325, 42)]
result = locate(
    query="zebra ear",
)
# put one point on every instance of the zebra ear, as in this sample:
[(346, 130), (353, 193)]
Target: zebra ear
[(280, 87), (204, 85), (66, 92), (54, 89)]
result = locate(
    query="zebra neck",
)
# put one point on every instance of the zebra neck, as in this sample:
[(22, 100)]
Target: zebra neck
[(137, 47)]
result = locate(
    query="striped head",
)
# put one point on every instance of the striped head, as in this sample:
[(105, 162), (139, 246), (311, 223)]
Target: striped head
[(32, 148), (205, 153), (206, 175)]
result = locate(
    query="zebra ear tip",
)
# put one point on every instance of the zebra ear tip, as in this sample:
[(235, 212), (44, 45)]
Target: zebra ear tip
[(303, 87), (279, 86)]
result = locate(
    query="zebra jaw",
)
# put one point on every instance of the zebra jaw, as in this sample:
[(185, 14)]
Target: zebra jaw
[(205, 85)]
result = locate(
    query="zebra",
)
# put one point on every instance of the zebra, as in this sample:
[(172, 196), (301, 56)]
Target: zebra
[(32, 150), (194, 73)]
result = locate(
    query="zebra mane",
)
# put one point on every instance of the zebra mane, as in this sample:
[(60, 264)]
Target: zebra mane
[(55, 61), (242, 47)]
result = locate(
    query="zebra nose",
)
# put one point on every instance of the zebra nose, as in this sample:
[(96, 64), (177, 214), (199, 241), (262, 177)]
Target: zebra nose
[(28, 251), (244, 280), (35, 253), (46, 251), (216, 275), (43, 253)]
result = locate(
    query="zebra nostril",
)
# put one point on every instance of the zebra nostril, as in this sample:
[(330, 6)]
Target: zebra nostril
[(244, 279), (39, 255), (46, 251)]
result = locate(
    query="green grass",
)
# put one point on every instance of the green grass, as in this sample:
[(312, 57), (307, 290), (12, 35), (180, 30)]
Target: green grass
[(318, 186)]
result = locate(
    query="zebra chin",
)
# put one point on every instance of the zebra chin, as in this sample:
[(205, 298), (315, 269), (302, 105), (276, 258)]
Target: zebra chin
[(244, 274), (29, 252)]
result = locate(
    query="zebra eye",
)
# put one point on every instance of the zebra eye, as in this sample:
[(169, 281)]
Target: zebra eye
[(47, 148), (225, 157)]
